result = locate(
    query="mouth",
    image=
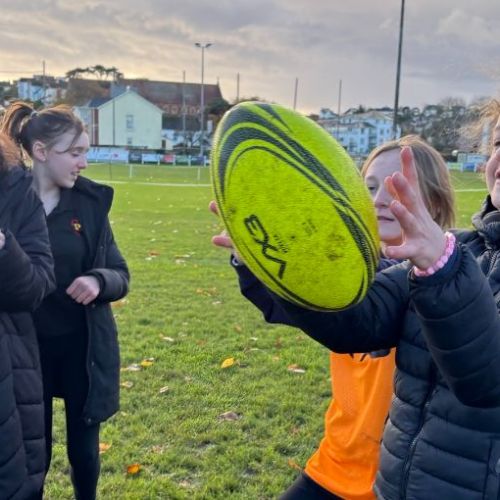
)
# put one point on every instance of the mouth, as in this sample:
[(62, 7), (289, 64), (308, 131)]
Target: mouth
[(384, 218)]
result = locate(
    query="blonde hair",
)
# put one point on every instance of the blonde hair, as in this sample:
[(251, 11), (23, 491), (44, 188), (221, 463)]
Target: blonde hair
[(478, 135), (433, 176)]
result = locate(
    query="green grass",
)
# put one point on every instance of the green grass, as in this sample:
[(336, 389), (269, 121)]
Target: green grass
[(184, 289)]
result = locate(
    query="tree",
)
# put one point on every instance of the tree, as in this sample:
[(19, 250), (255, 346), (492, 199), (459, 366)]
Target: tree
[(76, 72), (99, 70)]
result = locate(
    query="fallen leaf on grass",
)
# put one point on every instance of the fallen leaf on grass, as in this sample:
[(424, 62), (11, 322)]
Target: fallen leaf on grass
[(167, 339), (133, 469), (154, 253), (134, 367), (103, 448), (294, 465), (295, 369), (238, 328), (146, 363), (127, 384), (164, 389), (228, 362), (207, 292), (229, 416)]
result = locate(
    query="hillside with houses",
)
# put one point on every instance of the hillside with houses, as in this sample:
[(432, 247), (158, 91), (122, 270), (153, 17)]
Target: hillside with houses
[(165, 117)]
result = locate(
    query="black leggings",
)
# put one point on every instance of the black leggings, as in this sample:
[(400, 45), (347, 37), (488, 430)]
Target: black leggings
[(65, 375), (304, 488)]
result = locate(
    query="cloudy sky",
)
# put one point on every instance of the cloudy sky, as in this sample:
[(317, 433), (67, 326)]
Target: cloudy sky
[(451, 47)]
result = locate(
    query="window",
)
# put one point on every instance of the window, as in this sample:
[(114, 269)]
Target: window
[(129, 141), (129, 121)]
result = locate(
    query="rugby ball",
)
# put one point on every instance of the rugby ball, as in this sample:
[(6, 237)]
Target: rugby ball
[(295, 206)]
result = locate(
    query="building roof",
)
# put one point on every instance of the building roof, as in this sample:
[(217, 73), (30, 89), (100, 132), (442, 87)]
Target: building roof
[(169, 95), (97, 101)]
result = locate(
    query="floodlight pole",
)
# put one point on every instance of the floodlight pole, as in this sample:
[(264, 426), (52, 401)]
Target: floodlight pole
[(202, 100), (398, 72)]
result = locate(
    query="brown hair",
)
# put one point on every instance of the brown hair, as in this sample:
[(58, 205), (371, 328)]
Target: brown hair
[(433, 176), (9, 154), (25, 125)]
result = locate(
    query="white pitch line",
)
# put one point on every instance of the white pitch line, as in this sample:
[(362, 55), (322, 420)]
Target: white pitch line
[(174, 184), (169, 184)]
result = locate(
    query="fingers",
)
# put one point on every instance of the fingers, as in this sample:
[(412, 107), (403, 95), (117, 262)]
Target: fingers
[(405, 192), (84, 290), (405, 218), (223, 240), (389, 186), (408, 167), (212, 206)]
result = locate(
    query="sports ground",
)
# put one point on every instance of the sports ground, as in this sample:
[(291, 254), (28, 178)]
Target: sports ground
[(189, 428)]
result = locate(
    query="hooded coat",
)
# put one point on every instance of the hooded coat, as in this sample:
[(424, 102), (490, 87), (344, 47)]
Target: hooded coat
[(26, 277)]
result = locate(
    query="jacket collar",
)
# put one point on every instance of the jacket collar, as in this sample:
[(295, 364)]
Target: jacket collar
[(487, 223), (100, 193)]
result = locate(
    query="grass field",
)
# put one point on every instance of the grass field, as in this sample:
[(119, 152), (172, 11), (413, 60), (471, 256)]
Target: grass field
[(183, 317)]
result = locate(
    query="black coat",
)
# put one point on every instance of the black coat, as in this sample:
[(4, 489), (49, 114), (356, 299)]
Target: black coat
[(93, 202), (442, 438), (26, 276)]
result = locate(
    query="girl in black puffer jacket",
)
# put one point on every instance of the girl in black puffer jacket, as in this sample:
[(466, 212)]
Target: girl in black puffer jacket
[(75, 325), (440, 309), (26, 277)]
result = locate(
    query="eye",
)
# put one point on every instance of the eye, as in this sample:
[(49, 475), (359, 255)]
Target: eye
[(372, 189)]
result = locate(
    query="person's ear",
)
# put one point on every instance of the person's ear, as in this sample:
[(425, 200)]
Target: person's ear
[(39, 151)]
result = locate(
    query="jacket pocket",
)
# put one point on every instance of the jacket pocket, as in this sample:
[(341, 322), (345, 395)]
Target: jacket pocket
[(492, 486)]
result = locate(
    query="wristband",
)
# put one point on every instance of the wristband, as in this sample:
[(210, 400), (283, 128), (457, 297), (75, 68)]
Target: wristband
[(441, 262)]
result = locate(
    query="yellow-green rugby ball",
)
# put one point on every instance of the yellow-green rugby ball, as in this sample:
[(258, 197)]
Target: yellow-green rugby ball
[(295, 206)]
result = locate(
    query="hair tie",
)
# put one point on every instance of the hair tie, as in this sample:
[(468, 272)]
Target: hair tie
[(33, 114)]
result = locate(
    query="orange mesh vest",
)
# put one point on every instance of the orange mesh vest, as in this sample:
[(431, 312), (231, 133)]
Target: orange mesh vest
[(347, 458)]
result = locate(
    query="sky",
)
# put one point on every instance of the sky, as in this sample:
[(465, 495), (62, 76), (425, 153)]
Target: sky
[(450, 47)]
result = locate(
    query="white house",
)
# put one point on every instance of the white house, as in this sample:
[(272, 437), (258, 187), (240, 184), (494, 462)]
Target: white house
[(125, 120), (359, 133), (39, 88)]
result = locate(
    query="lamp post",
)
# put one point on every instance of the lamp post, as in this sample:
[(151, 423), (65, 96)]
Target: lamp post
[(202, 46), (398, 72)]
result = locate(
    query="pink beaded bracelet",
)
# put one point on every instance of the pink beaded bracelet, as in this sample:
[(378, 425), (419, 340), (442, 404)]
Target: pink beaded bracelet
[(440, 263)]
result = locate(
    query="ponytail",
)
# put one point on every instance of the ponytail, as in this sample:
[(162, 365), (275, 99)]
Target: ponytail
[(24, 125)]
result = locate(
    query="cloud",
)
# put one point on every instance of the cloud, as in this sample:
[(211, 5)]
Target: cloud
[(449, 46)]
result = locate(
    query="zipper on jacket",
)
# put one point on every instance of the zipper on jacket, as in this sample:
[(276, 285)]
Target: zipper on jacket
[(411, 450)]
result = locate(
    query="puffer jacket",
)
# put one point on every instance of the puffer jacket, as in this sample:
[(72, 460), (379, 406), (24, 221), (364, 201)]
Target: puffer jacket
[(106, 264), (442, 438), (26, 276)]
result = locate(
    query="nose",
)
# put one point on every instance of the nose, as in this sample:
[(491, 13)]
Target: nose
[(382, 198), (82, 164)]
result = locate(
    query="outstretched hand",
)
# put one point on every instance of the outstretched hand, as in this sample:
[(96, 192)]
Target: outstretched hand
[(423, 240), (222, 239)]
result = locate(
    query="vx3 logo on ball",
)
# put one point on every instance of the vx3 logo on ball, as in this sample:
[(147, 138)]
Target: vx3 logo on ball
[(261, 237)]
